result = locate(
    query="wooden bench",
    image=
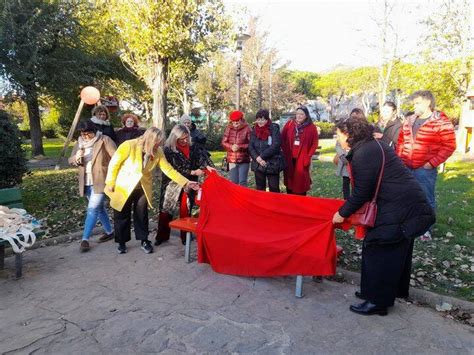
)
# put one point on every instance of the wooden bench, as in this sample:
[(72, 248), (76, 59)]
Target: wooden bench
[(12, 199), (189, 225)]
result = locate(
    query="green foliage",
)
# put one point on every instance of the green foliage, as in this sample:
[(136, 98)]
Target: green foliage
[(12, 155), (328, 129), (304, 83)]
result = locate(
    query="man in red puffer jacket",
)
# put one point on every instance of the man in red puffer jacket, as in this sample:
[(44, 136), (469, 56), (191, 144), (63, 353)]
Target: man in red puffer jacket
[(426, 140)]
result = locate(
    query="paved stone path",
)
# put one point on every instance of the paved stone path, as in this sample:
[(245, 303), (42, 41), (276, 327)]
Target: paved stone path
[(102, 302)]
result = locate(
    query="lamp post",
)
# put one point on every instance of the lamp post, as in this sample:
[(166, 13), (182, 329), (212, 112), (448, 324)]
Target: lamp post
[(241, 38)]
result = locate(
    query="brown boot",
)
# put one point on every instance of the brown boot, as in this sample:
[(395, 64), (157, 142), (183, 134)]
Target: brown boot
[(106, 237), (163, 232)]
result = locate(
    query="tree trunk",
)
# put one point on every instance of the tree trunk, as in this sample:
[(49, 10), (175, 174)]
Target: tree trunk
[(35, 122), (186, 105), (160, 93)]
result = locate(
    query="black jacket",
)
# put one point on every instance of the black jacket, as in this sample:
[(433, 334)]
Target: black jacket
[(402, 207), (391, 132), (198, 159), (271, 153), (125, 134), (196, 135), (108, 130)]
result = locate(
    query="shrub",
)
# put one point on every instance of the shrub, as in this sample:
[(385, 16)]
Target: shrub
[(12, 155), (328, 129)]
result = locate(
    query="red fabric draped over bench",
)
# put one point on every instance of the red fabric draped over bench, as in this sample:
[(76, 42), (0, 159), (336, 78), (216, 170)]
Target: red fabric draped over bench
[(254, 233)]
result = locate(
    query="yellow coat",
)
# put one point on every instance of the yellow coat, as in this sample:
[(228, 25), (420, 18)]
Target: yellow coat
[(126, 171)]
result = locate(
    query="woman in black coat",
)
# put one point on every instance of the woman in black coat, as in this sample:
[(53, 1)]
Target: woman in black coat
[(101, 119), (403, 213), (130, 129), (264, 148), (190, 160)]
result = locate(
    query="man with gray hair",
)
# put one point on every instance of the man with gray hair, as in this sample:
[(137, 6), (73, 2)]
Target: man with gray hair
[(426, 140)]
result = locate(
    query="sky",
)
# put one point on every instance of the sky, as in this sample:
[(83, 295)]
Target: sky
[(316, 35)]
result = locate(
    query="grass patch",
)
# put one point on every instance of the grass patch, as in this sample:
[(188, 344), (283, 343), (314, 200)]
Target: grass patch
[(52, 148), (446, 265)]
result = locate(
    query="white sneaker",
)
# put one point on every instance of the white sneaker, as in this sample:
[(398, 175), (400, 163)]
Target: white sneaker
[(426, 237)]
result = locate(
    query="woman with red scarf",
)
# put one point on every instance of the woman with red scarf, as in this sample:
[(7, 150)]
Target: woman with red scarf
[(264, 148), (299, 143), (189, 160)]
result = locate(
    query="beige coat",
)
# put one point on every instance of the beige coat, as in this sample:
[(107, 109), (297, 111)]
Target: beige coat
[(102, 152), (126, 171)]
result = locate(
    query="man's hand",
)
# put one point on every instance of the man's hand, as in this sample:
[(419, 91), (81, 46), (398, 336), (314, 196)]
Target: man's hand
[(337, 218), (428, 166), (235, 147)]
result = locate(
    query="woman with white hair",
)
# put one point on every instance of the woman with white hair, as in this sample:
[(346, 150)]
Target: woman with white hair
[(129, 185), (196, 135), (189, 160)]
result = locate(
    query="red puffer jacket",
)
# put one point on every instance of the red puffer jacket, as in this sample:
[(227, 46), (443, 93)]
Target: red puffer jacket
[(241, 137), (434, 143)]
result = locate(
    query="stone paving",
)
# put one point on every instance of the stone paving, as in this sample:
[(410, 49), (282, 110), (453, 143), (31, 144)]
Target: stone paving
[(102, 302)]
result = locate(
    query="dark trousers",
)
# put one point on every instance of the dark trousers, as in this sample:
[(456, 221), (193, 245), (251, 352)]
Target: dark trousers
[(137, 203), (386, 270), (346, 187), (261, 181)]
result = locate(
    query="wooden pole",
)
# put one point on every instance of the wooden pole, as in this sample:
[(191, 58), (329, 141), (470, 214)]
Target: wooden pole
[(70, 134)]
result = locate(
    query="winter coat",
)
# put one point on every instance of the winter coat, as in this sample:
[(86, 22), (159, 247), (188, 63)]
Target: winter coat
[(402, 208), (269, 150), (391, 132), (196, 135), (434, 143), (126, 171), (198, 159), (102, 152), (239, 136), (105, 127), (297, 176), (126, 133)]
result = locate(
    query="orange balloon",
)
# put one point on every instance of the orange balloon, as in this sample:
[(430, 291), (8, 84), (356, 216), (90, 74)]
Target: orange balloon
[(90, 95)]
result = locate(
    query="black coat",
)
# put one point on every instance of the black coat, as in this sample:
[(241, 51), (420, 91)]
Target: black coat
[(391, 132), (108, 130), (196, 135), (198, 159), (125, 134), (403, 210), (271, 153)]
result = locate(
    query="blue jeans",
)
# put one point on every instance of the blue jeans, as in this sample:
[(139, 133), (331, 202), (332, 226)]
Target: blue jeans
[(427, 180), (238, 173), (95, 211)]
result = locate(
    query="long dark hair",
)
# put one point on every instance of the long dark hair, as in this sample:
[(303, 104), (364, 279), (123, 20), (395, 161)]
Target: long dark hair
[(306, 112), (356, 129)]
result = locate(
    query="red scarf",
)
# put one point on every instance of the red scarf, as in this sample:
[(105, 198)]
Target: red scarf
[(263, 133), (184, 149)]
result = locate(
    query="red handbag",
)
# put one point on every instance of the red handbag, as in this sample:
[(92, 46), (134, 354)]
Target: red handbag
[(365, 216)]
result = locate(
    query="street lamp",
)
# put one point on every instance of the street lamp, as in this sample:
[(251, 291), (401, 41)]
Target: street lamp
[(240, 39)]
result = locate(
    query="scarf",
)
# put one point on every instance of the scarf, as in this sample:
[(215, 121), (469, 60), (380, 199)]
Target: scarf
[(185, 149), (299, 127), (263, 132), (100, 122), (88, 144)]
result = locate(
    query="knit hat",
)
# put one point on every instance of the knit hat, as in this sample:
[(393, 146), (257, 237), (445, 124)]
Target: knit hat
[(236, 116), (184, 118)]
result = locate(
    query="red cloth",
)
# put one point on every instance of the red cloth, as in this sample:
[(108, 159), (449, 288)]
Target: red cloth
[(255, 233), (434, 143), (296, 176), (263, 132)]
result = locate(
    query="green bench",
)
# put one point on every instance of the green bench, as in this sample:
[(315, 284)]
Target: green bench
[(12, 199)]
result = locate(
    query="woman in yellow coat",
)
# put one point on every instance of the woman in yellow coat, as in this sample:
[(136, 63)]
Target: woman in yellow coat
[(129, 185)]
